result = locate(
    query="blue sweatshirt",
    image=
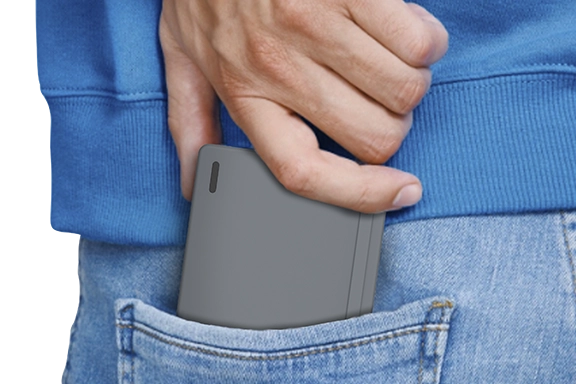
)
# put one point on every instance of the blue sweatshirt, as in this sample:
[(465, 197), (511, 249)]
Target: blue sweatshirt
[(495, 134)]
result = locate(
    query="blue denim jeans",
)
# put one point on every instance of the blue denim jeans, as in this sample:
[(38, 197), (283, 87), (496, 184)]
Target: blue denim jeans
[(486, 299)]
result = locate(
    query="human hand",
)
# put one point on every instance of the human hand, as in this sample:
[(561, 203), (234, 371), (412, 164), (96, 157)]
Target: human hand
[(355, 69)]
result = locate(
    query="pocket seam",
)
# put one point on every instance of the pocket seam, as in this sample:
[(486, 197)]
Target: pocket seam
[(441, 326), (435, 306), (436, 362), (126, 348)]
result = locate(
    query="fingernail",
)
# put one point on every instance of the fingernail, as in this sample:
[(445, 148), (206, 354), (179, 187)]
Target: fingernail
[(409, 195)]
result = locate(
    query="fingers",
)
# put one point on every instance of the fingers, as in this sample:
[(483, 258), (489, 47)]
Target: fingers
[(290, 150), (375, 70), (406, 29), (358, 81), (192, 109), (364, 127)]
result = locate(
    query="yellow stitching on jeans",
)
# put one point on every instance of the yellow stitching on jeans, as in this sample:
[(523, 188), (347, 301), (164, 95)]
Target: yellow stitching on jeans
[(437, 338), (435, 304), (438, 328), (568, 248)]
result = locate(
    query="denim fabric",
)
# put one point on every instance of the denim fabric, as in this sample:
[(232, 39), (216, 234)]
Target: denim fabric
[(485, 299)]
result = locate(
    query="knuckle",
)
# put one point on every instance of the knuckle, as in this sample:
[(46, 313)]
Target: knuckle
[(288, 12), (269, 58), (420, 48), (410, 93), (397, 30), (373, 153), (381, 148), (297, 16), (296, 176)]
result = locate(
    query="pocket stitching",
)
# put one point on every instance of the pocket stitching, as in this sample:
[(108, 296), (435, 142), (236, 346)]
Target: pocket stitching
[(440, 327), (126, 347), (436, 355), (434, 305)]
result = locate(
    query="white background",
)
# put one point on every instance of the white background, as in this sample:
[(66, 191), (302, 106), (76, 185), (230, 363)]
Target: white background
[(38, 266)]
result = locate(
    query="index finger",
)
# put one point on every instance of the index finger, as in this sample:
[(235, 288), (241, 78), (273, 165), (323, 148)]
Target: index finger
[(290, 150)]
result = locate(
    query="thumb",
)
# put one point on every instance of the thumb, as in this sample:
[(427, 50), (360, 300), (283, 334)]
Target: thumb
[(192, 108)]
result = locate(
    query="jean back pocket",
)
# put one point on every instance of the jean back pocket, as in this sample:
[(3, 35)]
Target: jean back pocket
[(403, 346)]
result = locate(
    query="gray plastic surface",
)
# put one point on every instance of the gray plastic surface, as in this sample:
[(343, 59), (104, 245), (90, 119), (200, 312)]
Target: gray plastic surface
[(260, 257)]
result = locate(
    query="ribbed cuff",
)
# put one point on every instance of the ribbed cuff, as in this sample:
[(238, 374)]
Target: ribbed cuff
[(115, 172), (491, 146), (499, 145)]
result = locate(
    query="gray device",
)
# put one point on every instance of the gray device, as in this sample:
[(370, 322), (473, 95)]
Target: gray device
[(261, 257)]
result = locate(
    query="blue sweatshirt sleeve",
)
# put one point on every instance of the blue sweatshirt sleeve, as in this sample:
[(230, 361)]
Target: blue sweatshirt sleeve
[(494, 135)]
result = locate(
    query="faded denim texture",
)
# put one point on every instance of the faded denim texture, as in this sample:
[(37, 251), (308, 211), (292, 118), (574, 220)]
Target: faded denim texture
[(483, 299)]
